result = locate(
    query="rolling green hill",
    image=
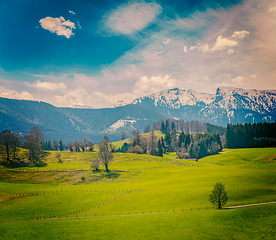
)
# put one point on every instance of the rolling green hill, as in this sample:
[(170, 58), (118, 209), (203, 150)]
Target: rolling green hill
[(144, 197)]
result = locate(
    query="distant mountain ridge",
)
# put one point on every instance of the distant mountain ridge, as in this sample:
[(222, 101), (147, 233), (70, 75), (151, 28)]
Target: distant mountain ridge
[(227, 105), (72, 124)]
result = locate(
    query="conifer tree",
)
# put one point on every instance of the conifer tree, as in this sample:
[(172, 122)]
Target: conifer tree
[(160, 149)]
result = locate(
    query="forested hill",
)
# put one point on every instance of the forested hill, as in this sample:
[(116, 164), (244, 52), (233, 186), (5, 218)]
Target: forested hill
[(71, 124)]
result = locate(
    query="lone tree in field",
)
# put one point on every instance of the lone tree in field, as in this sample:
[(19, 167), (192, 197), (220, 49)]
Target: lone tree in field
[(218, 197), (105, 153)]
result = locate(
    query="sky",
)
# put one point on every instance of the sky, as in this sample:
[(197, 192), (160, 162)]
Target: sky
[(94, 53)]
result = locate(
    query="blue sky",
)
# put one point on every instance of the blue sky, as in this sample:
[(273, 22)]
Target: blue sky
[(96, 53)]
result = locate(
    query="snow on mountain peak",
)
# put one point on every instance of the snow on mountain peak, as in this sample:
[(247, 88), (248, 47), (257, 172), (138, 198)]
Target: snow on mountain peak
[(175, 98), (236, 98), (227, 98)]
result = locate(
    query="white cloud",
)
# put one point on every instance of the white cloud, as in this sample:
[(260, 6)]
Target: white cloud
[(166, 41), (143, 86), (272, 9), (71, 12), (230, 51), (238, 81), (47, 86), (240, 34), (58, 25), (222, 43), (193, 47), (73, 97), (131, 18), (147, 85), (185, 49), (8, 93)]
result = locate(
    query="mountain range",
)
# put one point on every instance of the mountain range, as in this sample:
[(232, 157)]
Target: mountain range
[(227, 105)]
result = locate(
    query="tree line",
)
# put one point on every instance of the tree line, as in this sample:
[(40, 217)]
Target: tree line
[(180, 125), (186, 145), (251, 135), (84, 145), (11, 142), (35, 144)]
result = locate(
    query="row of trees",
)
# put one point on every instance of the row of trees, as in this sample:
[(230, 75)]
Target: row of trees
[(10, 142), (55, 145), (172, 124), (199, 145), (84, 145), (143, 144), (185, 144), (251, 135), (179, 125)]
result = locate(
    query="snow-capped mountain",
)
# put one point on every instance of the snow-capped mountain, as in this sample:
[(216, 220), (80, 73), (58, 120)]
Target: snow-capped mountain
[(227, 105), (175, 98)]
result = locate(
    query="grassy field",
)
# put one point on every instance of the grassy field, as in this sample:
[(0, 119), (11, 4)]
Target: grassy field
[(143, 197)]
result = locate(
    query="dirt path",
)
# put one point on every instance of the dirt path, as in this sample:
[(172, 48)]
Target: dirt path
[(249, 205)]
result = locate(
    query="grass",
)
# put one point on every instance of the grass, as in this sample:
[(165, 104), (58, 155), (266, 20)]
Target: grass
[(249, 223), (143, 197)]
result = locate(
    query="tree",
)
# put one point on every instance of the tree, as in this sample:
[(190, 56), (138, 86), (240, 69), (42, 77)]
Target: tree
[(6, 141), (91, 146), (218, 197), (9, 143), (71, 146), (105, 153), (163, 129), (16, 142), (168, 141), (160, 149), (136, 149), (33, 143), (147, 129), (76, 145), (58, 156), (106, 138), (49, 146), (152, 144), (123, 135), (163, 144), (55, 145), (82, 146), (136, 137), (95, 164), (87, 143), (61, 145)]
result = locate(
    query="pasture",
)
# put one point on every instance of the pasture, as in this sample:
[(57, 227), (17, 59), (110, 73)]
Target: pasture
[(143, 197)]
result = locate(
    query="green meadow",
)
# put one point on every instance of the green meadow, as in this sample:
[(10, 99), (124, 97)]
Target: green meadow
[(143, 197)]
